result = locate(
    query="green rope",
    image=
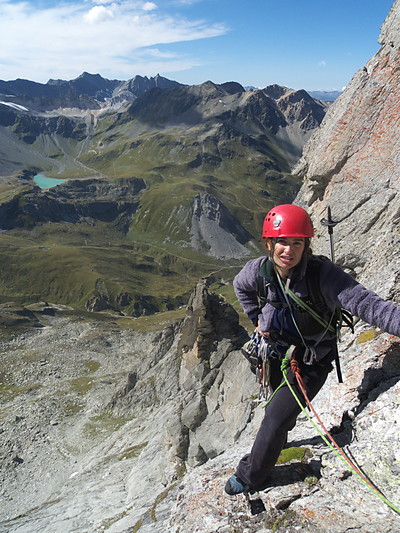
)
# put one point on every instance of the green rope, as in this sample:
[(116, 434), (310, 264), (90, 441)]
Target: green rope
[(284, 367), (282, 384)]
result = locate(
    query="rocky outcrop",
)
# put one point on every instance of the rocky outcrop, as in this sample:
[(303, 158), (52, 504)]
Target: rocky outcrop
[(13, 316), (74, 201), (191, 360), (29, 127), (215, 230), (116, 190), (209, 333)]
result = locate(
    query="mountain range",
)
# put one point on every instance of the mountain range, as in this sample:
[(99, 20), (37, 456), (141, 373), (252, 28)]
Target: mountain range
[(88, 91), (181, 175)]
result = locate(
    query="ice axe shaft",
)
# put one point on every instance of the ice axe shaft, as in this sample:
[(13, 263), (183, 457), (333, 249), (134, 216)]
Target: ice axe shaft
[(330, 223)]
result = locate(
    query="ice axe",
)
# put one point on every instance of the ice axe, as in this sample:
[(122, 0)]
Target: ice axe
[(331, 223)]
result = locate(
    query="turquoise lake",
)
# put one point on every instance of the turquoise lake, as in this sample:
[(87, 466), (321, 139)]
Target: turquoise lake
[(46, 183)]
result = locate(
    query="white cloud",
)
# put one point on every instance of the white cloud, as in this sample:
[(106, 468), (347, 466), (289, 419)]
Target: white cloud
[(154, 52), (98, 14), (116, 39), (149, 6), (322, 64)]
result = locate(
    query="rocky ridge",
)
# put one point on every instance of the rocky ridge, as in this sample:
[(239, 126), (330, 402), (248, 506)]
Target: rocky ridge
[(104, 427), (87, 91), (45, 128)]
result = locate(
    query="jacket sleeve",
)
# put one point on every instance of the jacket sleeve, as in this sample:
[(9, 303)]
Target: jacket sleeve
[(246, 289), (245, 285), (340, 289)]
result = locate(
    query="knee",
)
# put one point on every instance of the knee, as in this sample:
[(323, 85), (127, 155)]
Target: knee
[(279, 424)]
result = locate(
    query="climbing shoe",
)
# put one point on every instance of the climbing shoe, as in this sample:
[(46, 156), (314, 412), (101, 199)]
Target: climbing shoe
[(235, 486)]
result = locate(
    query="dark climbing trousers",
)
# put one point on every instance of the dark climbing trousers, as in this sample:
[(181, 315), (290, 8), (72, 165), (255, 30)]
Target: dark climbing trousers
[(280, 417)]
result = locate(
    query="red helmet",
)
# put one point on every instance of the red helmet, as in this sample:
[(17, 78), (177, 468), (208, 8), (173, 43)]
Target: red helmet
[(287, 220)]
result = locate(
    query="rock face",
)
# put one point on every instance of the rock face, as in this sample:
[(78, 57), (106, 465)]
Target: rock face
[(352, 164), (215, 230), (105, 427)]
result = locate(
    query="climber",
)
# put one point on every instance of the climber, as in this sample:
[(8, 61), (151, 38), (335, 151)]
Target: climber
[(284, 324)]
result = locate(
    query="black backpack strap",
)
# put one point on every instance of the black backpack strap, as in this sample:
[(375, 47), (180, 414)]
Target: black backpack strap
[(262, 290), (266, 277), (313, 272), (337, 364), (346, 319), (312, 277), (343, 317)]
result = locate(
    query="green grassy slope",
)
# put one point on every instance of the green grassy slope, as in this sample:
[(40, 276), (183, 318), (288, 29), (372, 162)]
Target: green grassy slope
[(156, 277), (202, 141)]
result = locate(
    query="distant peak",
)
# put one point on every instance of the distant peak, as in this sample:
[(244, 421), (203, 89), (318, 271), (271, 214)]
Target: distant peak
[(88, 75), (232, 87), (275, 91)]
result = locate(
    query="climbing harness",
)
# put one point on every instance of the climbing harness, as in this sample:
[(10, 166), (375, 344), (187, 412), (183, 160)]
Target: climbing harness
[(329, 327), (326, 436), (309, 356)]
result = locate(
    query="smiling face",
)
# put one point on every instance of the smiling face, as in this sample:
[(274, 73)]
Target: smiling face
[(287, 253)]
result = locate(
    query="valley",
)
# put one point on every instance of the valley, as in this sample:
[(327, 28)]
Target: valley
[(162, 189)]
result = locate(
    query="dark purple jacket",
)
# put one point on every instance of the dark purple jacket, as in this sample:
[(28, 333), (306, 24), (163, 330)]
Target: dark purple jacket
[(338, 289)]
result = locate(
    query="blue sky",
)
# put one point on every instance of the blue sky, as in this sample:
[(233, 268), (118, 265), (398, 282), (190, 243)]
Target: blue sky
[(302, 44)]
